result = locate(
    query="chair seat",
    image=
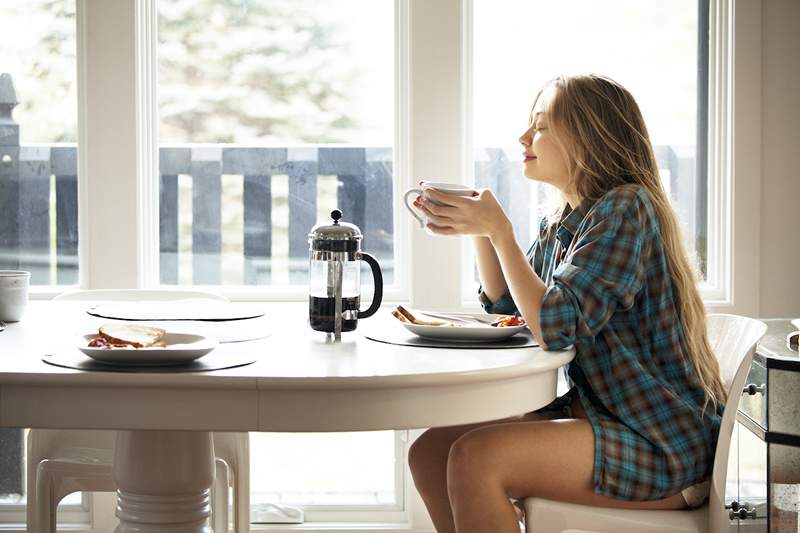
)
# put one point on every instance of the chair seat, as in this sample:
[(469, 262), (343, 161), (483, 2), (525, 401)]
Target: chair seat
[(548, 516), (85, 455)]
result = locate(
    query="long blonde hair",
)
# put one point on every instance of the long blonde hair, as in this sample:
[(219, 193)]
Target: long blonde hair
[(603, 134)]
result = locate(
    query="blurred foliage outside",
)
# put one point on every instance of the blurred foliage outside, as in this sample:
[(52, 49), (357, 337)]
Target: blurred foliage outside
[(260, 72)]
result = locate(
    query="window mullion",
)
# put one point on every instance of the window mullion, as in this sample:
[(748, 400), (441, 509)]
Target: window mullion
[(147, 143), (436, 138), (107, 147)]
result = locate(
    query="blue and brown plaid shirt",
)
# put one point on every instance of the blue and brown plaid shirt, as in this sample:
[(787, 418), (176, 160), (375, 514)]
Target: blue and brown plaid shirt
[(609, 293)]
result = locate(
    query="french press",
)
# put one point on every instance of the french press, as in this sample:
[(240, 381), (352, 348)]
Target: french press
[(334, 294)]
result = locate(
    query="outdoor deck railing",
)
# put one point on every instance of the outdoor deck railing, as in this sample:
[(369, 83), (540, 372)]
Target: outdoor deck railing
[(38, 186), (39, 201)]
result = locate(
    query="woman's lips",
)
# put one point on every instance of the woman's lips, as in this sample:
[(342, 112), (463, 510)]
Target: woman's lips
[(529, 157)]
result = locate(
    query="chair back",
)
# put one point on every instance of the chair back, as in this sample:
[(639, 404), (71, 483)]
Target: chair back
[(733, 339), (128, 295)]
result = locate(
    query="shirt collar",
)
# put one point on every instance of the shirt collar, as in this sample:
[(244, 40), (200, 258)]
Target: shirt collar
[(569, 222)]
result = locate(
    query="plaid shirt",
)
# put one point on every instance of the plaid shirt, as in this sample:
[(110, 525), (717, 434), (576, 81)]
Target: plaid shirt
[(609, 293)]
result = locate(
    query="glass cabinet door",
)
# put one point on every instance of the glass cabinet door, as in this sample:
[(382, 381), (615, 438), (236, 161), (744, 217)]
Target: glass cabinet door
[(752, 482), (784, 488)]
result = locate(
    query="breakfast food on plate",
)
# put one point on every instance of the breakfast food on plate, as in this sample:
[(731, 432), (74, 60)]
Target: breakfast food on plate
[(128, 336), (399, 316), (404, 315), (511, 320)]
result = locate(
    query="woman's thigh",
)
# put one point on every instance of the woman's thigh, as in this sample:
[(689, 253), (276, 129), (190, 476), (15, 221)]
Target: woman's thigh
[(551, 459), (437, 441)]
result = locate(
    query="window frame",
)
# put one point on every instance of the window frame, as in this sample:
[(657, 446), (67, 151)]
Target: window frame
[(118, 134)]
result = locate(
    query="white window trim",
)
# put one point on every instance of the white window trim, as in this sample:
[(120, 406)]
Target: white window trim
[(718, 287), (736, 151)]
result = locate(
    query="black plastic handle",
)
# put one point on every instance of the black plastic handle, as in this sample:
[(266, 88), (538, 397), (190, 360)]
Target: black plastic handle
[(377, 277)]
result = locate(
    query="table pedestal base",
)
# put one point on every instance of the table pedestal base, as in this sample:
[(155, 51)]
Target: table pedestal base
[(164, 480)]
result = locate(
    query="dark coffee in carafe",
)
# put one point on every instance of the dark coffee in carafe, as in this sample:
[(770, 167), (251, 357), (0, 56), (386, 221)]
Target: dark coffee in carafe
[(322, 313)]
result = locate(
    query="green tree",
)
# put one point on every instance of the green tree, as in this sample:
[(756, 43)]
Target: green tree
[(37, 47), (251, 71)]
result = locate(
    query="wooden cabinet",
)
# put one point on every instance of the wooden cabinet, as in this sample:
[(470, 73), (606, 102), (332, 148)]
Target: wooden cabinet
[(763, 488)]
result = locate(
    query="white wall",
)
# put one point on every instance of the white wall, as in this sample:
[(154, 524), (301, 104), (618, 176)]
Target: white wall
[(780, 159)]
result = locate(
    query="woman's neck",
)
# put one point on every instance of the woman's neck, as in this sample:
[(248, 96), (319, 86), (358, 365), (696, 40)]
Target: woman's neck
[(573, 200)]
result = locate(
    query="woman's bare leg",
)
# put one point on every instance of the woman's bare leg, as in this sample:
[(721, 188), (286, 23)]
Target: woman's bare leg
[(427, 458), (552, 459)]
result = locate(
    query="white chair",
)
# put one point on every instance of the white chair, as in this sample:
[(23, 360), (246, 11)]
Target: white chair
[(61, 462), (733, 339)]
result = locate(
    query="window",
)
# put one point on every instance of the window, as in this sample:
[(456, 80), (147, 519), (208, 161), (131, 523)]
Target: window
[(38, 132), (315, 472), (648, 46), (38, 182), (272, 114)]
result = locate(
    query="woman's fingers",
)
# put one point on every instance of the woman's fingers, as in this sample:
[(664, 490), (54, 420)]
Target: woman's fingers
[(436, 209), (439, 220), (448, 199), (442, 230)]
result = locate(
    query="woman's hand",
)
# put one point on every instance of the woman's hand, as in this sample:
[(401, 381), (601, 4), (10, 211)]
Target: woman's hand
[(479, 215)]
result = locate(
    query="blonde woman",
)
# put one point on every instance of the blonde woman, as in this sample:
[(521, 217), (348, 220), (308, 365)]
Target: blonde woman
[(609, 275)]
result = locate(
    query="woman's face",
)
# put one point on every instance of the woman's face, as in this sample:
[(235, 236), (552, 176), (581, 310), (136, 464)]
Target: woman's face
[(545, 160)]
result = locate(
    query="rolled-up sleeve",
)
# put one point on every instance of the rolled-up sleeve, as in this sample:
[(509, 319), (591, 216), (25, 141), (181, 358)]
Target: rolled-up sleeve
[(603, 273), (503, 306)]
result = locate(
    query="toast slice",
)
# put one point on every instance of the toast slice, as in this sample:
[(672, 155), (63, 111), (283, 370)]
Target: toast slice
[(135, 335), (409, 317)]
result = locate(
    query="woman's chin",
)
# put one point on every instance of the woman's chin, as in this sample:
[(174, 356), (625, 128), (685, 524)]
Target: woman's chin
[(532, 175)]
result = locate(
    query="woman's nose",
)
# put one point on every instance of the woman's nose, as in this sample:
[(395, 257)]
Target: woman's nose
[(525, 138)]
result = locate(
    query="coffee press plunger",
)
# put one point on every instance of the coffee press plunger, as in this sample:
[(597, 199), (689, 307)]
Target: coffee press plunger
[(334, 293)]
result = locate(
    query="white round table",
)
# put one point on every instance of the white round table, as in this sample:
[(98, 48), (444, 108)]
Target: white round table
[(302, 381)]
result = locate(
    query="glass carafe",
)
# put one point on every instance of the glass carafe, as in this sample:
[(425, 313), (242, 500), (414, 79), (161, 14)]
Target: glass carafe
[(334, 289)]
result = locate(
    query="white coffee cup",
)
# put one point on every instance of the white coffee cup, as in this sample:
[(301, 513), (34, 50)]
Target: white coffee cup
[(13, 294), (447, 188)]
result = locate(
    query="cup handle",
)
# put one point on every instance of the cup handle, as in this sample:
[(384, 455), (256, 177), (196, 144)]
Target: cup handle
[(413, 211)]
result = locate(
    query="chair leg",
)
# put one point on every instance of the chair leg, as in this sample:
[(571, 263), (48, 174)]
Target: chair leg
[(54, 481), (219, 496), (42, 514), (241, 488), (234, 449)]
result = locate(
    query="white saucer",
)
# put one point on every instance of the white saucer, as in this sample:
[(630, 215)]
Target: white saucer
[(180, 348)]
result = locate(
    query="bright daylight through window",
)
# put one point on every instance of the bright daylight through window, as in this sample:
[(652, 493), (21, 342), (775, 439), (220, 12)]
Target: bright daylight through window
[(649, 46), (38, 132), (272, 113)]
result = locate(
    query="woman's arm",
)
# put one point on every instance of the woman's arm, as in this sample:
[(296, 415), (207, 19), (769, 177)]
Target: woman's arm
[(489, 269), (526, 288), (507, 267)]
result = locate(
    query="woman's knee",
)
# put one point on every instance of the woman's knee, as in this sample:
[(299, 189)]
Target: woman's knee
[(429, 451), (470, 456)]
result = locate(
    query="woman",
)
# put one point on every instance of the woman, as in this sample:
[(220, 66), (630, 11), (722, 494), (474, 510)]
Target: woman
[(609, 275)]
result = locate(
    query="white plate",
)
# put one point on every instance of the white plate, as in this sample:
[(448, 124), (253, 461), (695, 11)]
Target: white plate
[(180, 348), (465, 332)]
